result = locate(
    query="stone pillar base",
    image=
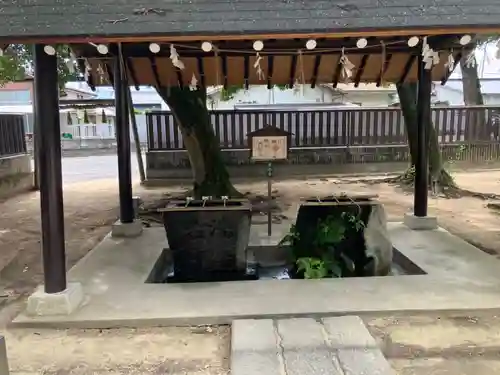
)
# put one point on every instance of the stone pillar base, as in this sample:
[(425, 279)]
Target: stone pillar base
[(420, 222), (62, 303), (126, 230)]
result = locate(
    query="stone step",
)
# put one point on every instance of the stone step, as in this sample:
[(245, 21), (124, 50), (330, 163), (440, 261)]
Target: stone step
[(305, 346)]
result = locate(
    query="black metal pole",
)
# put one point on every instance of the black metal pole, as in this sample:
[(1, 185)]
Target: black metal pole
[(123, 140), (135, 131), (269, 198), (423, 121), (48, 140)]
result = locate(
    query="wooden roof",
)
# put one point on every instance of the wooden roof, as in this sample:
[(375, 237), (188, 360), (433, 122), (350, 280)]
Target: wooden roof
[(107, 20), (283, 62), (232, 25)]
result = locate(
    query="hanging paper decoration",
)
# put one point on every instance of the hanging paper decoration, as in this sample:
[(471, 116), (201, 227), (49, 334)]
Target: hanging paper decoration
[(103, 116), (100, 73), (257, 67), (71, 62), (347, 66), (174, 56), (450, 63), (85, 117), (69, 120), (470, 61), (430, 56), (296, 87), (193, 86), (88, 70)]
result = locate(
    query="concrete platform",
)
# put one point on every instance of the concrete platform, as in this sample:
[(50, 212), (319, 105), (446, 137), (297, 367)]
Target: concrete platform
[(334, 346), (460, 277)]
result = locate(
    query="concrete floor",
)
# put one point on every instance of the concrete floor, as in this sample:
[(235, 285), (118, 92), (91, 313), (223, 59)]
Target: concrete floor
[(460, 277)]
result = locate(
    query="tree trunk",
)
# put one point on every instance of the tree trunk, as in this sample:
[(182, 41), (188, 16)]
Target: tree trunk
[(476, 119), (407, 93), (189, 109)]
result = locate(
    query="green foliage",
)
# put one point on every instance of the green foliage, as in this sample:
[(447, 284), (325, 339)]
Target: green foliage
[(313, 268), (353, 221), (325, 259), (17, 62), (229, 92), (291, 238), (330, 232), (282, 87)]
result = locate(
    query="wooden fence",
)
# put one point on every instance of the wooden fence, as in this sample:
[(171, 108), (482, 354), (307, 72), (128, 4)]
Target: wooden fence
[(12, 136), (332, 128)]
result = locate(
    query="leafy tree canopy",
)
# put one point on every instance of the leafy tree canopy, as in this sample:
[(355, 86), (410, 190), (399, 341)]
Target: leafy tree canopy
[(17, 62)]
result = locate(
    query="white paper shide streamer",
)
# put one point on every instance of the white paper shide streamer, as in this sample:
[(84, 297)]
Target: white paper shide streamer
[(257, 67), (174, 56), (470, 61), (193, 85), (450, 63), (347, 66), (88, 70), (430, 56)]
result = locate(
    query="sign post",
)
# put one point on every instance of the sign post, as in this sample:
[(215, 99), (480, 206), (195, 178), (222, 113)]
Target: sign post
[(269, 197), (269, 144)]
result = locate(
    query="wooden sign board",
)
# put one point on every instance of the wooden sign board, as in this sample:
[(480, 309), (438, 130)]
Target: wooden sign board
[(269, 144), (268, 148)]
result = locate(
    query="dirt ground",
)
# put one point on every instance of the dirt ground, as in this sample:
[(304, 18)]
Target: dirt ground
[(439, 345), (90, 209)]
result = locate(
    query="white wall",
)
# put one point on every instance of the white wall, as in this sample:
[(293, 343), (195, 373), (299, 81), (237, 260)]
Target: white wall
[(369, 98), (261, 95), (445, 94), (491, 99)]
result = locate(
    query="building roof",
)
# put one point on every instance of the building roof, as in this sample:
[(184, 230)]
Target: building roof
[(106, 18)]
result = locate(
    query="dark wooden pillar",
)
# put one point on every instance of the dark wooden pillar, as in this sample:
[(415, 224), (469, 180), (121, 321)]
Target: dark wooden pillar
[(49, 170), (123, 140), (423, 120)]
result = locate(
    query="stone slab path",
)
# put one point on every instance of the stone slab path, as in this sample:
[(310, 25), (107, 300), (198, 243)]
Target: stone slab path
[(329, 346)]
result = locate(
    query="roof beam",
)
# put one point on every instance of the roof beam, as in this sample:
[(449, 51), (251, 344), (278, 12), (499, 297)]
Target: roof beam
[(133, 75), (270, 69), (361, 70), (293, 69), (384, 69), (246, 70), (317, 63), (201, 71), (109, 72), (154, 68), (224, 70), (180, 81), (407, 68), (336, 74)]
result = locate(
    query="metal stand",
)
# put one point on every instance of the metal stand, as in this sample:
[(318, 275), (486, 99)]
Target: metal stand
[(269, 198)]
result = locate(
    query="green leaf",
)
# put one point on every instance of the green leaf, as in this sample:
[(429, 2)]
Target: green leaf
[(17, 62)]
